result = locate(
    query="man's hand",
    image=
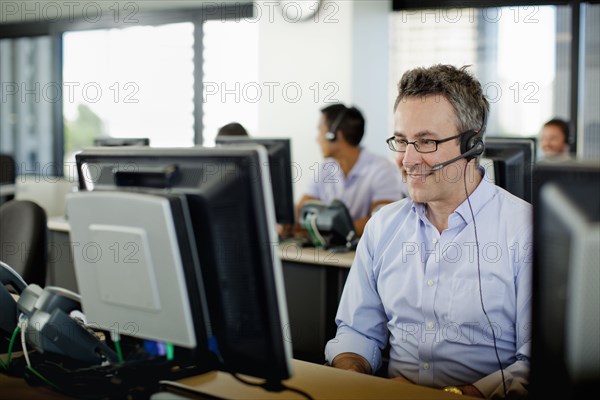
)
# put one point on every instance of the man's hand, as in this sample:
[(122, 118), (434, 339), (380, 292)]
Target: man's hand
[(352, 362), (471, 390)]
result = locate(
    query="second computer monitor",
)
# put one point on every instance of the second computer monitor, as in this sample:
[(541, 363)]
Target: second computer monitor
[(512, 160), (280, 166), (566, 281)]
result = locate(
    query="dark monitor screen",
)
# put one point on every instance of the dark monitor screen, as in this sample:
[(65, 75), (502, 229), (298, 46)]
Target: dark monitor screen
[(566, 281), (513, 164), (280, 166), (114, 142), (231, 212)]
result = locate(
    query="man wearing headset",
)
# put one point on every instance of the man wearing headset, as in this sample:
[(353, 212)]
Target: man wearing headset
[(362, 180), (554, 140), (444, 277)]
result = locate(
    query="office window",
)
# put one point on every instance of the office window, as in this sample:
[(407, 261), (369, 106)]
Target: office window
[(28, 94), (230, 76), (133, 82), (590, 86), (520, 54)]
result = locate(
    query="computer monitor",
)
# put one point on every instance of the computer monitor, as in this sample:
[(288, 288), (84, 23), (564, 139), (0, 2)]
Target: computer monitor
[(114, 142), (566, 281), (280, 166), (513, 160), (230, 209)]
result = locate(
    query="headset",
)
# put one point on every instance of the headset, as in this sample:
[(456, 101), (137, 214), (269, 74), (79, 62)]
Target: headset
[(471, 145), (331, 135)]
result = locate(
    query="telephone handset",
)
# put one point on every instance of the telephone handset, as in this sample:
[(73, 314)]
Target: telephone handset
[(9, 278), (50, 327)]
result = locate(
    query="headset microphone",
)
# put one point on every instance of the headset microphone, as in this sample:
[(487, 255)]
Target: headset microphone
[(477, 149)]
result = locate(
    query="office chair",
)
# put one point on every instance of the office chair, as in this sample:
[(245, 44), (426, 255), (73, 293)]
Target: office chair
[(8, 175), (23, 239)]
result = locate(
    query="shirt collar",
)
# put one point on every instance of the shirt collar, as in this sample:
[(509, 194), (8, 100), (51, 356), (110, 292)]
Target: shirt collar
[(480, 196)]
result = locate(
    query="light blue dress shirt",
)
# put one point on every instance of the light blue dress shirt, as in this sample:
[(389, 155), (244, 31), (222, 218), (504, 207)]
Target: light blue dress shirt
[(421, 288), (373, 178)]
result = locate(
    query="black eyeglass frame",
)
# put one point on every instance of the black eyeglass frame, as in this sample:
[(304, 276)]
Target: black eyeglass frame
[(416, 142)]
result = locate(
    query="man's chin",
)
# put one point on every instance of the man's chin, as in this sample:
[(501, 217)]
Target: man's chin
[(417, 194)]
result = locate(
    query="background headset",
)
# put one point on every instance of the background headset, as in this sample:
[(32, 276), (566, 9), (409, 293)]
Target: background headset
[(331, 135)]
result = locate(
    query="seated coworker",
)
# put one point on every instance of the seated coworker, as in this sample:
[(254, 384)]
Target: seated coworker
[(435, 273), (362, 180), (232, 129), (554, 140)]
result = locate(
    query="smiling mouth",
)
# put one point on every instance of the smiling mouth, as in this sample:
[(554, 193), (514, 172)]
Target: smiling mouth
[(414, 177)]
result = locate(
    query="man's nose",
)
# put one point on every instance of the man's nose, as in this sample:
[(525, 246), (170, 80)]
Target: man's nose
[(411, 156)]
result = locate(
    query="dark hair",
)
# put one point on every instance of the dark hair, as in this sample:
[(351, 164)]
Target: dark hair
[(232, 129), (352, 124), (562, 125), (462, 90)]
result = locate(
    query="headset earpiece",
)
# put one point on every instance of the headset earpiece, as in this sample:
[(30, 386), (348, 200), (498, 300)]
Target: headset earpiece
[(335, 126), (472, 143)]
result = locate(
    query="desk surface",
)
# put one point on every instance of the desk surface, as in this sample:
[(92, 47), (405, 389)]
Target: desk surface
[(290, 251), (317, 380), (293, 252), (58, 224), (17, 388)]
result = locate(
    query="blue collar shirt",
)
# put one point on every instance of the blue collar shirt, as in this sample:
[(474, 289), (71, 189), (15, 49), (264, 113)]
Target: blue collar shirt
[(419, 289)]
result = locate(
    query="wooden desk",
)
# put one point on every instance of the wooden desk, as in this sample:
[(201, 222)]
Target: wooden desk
[(319, 381), (16, 388)]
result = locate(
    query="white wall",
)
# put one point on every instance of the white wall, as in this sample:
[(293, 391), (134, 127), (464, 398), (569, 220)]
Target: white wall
[(370, 70), (343, 53)]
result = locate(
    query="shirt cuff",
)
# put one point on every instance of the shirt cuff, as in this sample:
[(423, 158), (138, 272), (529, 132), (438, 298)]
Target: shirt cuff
[(349, 341), (491, 385)]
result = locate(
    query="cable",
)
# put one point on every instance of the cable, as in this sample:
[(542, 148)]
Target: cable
[(116, 338), (272, 387), (479, 278), (313, 223), (308, 226), (11, 344), (23, 322)]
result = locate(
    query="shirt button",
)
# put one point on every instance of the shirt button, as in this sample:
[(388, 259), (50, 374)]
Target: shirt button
[(426, 366), (430, 325), (434, 241), (430, 283)]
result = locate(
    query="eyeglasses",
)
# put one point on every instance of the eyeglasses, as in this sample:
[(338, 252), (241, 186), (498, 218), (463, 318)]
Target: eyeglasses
[(421, 145)]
